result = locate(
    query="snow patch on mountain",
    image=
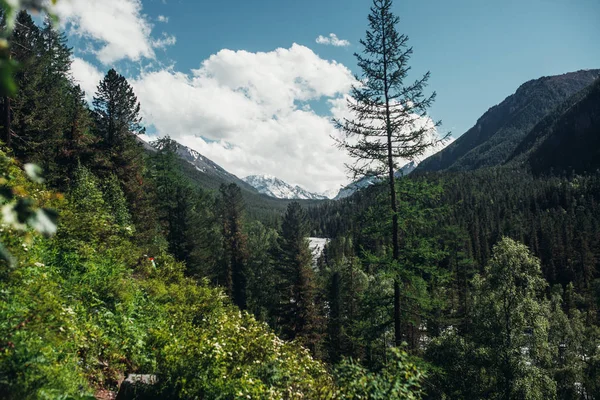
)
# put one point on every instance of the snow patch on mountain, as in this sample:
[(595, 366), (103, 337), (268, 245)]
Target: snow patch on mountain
[(275, 187)]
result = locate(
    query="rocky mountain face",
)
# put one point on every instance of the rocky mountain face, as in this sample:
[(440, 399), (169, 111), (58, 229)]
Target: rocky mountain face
[(275, 187), (499, 131), (567, 140), (209, 174)]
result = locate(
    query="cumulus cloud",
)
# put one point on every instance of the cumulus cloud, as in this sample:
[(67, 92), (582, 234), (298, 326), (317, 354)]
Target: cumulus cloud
[(118, 27), (87, 76), (162, 18), (247, 112), (250, 112), (332, 40)]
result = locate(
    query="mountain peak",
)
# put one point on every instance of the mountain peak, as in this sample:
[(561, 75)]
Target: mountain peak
[(275, 187)]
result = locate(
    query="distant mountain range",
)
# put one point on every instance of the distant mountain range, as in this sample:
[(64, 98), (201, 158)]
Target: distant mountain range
[(275, 187), (499, 132), (208, 175), (366, 181), (549, 125)]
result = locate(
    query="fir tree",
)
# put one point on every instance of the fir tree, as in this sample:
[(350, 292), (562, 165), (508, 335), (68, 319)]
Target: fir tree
[(78, 143), (299, 317), (116, 110), (234, 244), (116, 113)]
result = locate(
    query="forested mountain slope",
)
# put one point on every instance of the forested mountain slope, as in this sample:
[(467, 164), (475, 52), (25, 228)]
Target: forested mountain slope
[(163, 265), (205, 174), (83, 308), (567, 140), (500, 130), (211, 169)]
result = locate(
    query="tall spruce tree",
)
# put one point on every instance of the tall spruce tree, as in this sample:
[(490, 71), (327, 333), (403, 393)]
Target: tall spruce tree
[(389, 122), (116, 113), (298, 315), (77, 143), (234, 244), (116, 109), (262, 290), (36, 117)]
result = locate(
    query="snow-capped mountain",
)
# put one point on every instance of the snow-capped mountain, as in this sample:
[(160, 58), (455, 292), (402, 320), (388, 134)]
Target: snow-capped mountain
[(275, 187), (330, 193), (207, 167)]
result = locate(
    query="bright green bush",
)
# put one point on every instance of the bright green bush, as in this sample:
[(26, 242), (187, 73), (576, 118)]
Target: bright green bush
[(400, 378), (81, 310)]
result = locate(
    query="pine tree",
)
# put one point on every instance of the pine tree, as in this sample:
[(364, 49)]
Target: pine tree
[(262, 293), (78, 143), (185, 213), (389, 115), (116, 113), (234, 244), (298, 315), (116, 110)]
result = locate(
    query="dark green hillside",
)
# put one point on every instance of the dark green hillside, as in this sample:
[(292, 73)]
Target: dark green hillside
[(568, 140), (499, 131)]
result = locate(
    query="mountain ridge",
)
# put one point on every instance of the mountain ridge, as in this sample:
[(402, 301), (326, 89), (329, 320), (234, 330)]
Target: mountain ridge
[(277, 188), (498, 132), (567, 140)]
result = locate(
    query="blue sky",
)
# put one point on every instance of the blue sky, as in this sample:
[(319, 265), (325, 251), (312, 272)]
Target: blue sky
[(478, 53)]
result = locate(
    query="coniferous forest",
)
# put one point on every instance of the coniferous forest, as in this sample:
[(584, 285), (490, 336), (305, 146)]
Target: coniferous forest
[(477, 276)]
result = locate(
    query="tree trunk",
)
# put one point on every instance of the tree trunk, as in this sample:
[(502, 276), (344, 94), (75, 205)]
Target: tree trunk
[(392, 182)]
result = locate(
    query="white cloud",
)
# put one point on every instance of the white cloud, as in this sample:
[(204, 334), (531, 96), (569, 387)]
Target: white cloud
[(87, 76), (118, 27), (162, 18), (246, 112), (332, 40), (164, 41)]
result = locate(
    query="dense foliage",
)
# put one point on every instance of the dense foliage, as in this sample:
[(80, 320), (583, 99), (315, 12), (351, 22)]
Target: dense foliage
[(490, 277), (147, 272)]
